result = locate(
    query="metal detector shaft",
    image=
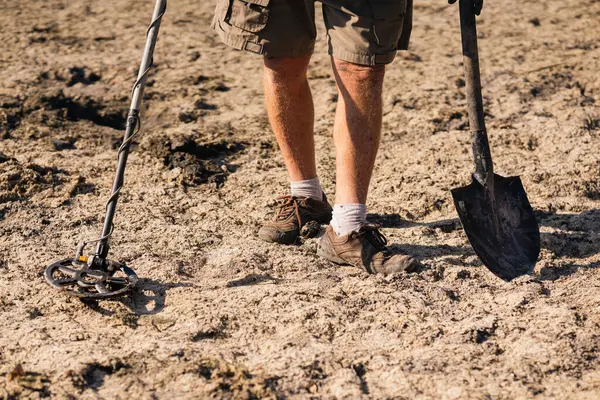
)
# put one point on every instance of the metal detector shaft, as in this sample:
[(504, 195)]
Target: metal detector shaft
[(481, 149), (133, 121)]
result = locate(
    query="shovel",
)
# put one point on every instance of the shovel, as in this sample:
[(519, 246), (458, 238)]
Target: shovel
[(494, 210)]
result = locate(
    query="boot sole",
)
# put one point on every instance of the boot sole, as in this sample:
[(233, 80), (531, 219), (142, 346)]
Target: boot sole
[(269, 239)]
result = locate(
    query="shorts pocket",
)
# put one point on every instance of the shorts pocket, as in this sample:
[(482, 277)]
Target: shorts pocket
[(248, 15), (388, 19), (388, 9)]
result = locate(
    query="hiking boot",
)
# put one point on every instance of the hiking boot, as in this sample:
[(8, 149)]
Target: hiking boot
[(364, 249), (293, 212)]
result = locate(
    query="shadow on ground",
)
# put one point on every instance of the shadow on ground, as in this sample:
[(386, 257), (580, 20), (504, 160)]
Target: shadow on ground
[(576, 236), (148, 298)]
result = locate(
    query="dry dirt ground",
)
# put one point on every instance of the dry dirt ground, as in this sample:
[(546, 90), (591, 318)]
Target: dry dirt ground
[(224, 315)]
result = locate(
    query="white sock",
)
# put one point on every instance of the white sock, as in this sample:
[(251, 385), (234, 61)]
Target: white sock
[(308, 188), (348, 218)]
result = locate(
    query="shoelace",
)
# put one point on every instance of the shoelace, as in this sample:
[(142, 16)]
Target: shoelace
[(375, 237), (287, 206)]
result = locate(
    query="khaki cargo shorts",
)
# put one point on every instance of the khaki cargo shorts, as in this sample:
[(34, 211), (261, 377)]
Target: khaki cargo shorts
[(366, 32)]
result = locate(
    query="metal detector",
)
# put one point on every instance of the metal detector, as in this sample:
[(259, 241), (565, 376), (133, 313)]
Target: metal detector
[(95, 276)]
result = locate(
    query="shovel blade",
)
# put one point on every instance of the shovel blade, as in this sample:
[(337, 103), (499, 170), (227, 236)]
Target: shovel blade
[(500, 225)]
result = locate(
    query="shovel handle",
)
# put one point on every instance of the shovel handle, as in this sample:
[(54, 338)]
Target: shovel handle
[(482, 156)]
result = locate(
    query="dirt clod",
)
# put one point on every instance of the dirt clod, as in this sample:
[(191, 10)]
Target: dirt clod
[(84, 108), (310, 229), (197, 163), (64, 144), (16, 372), (21, 181)]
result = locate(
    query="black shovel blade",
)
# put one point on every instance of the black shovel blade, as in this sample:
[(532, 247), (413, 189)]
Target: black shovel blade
[(503, 232)]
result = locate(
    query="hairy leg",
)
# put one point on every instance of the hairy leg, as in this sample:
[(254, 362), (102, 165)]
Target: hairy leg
[(291, 114), (357, 128)]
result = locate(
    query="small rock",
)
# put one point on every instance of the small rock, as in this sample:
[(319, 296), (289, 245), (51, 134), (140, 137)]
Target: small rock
[(16, 373)]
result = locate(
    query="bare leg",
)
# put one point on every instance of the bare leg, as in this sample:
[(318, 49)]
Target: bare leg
[(357, 128), (291, 114), (356, 134)]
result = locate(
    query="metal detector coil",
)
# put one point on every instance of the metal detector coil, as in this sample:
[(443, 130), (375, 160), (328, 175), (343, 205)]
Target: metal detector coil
[(95, 276), (76, 278)]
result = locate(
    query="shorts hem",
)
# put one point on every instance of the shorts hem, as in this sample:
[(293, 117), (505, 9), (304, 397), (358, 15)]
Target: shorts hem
[(362, 59)]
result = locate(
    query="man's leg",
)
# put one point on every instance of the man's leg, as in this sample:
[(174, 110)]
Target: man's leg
[(356, 135), (350, 239), (291, 113), (284, 32), (357, 128)]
